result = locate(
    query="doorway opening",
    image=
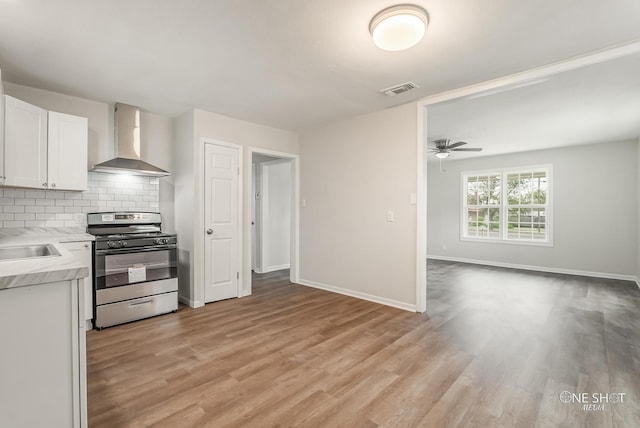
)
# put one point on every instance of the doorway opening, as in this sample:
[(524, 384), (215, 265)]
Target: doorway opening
[(274, 215)]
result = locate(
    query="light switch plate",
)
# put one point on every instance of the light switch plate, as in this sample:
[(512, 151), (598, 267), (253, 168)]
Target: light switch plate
[(390, 216)]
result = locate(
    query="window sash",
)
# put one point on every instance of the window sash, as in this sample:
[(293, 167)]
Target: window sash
[(490, 217)]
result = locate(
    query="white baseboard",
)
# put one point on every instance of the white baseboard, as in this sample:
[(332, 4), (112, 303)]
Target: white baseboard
[(257, 270), (187, 301), (638, 281), (275, 268), (537, 268), (359, 295)]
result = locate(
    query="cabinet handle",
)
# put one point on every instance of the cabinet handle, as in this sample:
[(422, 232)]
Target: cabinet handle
[(53, 184), (86, 245), (144, 302), (44, 184)]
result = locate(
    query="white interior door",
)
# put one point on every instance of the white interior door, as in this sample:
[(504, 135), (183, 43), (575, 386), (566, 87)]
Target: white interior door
[(221, 222)]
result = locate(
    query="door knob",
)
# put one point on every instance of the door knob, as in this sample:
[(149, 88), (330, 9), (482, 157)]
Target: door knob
[(209, 231)]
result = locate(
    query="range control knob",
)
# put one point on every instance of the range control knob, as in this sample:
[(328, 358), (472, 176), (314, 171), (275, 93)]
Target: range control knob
[(111, 244), (123, 243)]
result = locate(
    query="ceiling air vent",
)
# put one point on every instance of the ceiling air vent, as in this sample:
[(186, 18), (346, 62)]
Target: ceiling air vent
[(399, 89)]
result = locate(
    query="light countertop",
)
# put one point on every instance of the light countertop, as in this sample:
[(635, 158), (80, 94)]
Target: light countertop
[(41, 270), (37, 235)]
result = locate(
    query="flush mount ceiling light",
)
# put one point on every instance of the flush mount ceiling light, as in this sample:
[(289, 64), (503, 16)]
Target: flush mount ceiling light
[(442, 155), (398, 27)]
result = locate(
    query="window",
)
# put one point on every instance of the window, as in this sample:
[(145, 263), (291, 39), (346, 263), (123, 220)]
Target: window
[(509, 205)]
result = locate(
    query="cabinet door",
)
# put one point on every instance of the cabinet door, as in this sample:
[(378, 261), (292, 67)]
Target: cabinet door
[(67, 157), (25, 154), (82, 252), (1, 130), (40, 370)]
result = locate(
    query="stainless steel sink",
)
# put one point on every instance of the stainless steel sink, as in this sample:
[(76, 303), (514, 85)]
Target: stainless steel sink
[(27, 252)]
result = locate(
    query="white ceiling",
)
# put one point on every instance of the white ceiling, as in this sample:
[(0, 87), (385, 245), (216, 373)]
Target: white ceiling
[(594, 104), (287, 63)]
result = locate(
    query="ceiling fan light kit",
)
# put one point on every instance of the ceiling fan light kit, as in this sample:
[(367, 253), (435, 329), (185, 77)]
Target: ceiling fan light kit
[(444, 147), (399, 27)]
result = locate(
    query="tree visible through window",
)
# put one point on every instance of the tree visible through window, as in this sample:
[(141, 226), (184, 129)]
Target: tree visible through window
[(509, 205)]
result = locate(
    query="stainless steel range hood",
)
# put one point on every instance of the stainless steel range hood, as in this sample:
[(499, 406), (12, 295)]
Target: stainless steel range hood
[(127, 139)]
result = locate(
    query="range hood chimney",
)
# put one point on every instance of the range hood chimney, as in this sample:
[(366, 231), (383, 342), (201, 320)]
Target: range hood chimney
[(127, 140)]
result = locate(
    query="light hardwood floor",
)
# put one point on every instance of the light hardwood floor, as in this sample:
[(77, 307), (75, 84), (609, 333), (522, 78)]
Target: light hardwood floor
[(496, 348)]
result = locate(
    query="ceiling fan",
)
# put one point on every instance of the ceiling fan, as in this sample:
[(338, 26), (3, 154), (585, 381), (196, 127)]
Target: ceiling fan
[(444, 148)]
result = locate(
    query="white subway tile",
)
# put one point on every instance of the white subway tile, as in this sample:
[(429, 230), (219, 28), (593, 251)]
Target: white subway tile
[(64, 217), (7, 201), (45, 217), (30, 216), (72, 223), (99, 204), (72, 195), (55, 209), (64, 203), (13, 209), (45, 202), (54, 223), (7, 216), (79, 203), (12, 224), (34, 223), (54, 194), (10, 193), (35, 194), (90, 196), (34, 209), (105, 197), (114, 204), (73, 209), (21, 201)]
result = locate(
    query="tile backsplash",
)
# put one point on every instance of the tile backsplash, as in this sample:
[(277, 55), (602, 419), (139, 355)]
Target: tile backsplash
[(57, 208)]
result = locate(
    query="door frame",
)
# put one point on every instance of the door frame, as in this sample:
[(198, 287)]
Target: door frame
[(200, 240), (294, 249)]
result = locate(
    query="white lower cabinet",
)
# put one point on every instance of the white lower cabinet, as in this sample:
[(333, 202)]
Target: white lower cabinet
[(81, 250), (42, 355)]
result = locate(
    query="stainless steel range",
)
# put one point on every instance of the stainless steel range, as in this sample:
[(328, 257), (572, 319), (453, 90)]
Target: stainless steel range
[(135, 267)]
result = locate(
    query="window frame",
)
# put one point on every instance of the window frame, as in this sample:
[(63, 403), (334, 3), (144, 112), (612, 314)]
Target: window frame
[(504, 207)]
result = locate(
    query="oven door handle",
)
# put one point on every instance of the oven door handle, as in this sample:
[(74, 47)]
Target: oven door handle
[(112, 251)]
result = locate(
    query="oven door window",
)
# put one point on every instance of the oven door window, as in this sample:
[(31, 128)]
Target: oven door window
[(130, 267)]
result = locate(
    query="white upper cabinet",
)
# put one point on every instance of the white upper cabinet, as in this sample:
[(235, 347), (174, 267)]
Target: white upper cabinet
[(1, 130), (44, 150), (67, 152), (25, 144)]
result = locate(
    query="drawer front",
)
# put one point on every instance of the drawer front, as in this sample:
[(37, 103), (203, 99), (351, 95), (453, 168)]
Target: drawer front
[(135, 309)]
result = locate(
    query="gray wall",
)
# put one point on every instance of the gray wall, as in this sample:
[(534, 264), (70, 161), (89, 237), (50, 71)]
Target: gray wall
[(595, 210), (352, 173)]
